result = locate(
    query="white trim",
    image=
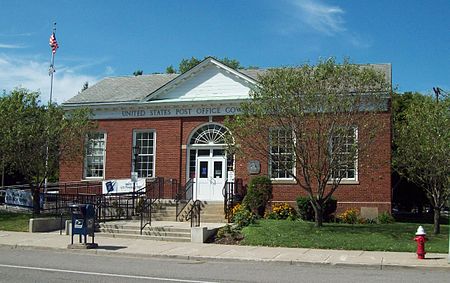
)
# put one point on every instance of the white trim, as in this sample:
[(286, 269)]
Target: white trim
[(135, 131), (355, 180), (192, 72), (105, 137), (269, 165)]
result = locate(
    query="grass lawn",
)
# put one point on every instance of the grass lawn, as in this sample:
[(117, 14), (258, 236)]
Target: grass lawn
[(370, 237), (14, 221)]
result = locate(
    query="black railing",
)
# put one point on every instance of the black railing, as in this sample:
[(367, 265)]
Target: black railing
[(184, 197), (154, 192), (117, 206), (232, 193), (194, 213), (146, 213)]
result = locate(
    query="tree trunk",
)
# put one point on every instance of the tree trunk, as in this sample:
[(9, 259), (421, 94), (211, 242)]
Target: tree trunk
[(318, 214), (437, 216), (35, 192)]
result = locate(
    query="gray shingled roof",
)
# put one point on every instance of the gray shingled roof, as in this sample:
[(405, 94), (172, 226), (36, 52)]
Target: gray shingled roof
[(122, 88), (135, 88), (132, 88)]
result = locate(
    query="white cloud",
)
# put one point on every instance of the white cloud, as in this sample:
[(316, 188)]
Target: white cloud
[(109, 71), (10, 46), (33, 75), (321, 17)]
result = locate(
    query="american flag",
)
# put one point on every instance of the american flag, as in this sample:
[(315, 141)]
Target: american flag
[(53, 43)]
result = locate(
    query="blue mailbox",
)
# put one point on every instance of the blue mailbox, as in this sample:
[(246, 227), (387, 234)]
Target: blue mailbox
[(83, 221)]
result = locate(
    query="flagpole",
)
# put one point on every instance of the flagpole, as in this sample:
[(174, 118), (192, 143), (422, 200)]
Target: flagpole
[(51, 71), (52, 68)]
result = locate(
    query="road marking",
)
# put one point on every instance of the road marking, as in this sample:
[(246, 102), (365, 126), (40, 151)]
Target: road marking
[(104, 274)]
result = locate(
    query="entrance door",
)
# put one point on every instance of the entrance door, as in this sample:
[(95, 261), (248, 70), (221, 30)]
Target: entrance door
[(210, 177)]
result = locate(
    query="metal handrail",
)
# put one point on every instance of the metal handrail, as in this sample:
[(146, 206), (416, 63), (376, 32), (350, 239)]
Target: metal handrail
[(194, 213), (146, 209), (185, 194)]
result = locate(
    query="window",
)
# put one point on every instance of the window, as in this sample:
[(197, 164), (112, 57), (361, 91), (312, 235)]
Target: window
[(94, 161), (344, 151), (282, 162), (144, 153)]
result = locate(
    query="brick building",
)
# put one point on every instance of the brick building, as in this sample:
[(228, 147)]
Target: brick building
[(174, 124)]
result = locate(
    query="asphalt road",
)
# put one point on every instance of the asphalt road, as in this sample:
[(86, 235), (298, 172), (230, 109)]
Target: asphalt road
[(32, 265)]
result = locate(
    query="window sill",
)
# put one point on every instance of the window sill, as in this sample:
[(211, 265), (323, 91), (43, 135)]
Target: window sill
[(92, 179), (345, 182), (283, 181)]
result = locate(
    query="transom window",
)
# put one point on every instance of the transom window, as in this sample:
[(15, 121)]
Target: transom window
[(144, 161), (344, 151), (209, 134), (281, 161), (94, 161)]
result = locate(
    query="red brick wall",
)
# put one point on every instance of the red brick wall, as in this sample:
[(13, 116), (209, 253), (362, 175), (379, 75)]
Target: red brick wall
[(374, 175), (172, 134)]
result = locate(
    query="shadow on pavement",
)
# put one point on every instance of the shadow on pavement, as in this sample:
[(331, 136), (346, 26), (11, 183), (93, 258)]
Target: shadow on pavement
[(111, 248)]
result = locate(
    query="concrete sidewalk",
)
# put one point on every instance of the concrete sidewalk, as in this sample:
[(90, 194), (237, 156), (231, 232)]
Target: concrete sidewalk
[(195, 251)]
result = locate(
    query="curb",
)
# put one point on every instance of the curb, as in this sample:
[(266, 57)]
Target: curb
[(379, 266)]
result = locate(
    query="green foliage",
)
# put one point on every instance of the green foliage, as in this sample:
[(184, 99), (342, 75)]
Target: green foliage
[(350, 216), (170, 70), (337, 236), (226, 231), (187, 64), (422, 147), (306, 210), (138, 73), (28, 128), (243, 217), (318, 105), (10, 221), (385, 218), (259, 193), (282, 211)]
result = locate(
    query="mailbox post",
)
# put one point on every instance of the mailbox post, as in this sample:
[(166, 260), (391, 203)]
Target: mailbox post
[(83, 224)]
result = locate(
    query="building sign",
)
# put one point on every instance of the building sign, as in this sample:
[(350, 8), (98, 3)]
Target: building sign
[(169, 111), (16, 197), (122, 186), (254, 167)]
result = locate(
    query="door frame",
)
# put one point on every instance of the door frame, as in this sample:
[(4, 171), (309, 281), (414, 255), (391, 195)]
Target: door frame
[(217, 191)]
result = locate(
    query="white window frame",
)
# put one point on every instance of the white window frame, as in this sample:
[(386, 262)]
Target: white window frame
[(294, 169), (355, 178), (153, 154), (88, 140)]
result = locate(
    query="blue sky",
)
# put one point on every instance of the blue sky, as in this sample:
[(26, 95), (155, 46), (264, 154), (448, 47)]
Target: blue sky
[(114, 38)]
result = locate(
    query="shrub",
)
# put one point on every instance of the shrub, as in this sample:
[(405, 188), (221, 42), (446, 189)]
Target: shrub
[(243, 217), (259, 193), (385, 218), (139, 205), (350, 216), (235, 209), (282, 211), (306, 210)]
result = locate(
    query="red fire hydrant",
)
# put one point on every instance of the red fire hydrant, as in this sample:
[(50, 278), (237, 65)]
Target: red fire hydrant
[(420, 239)]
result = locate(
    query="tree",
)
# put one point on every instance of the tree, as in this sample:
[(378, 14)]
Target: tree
[(32, 135), (187, 64), (311, 123), (85, 86), (422, 154), (170, 70), (138, 73)]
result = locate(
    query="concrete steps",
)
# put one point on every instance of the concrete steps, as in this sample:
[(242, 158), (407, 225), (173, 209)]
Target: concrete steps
[(131, 230), (212, 212)]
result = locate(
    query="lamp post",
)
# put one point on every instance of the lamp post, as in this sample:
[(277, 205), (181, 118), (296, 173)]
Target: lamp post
[(134, 174)]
